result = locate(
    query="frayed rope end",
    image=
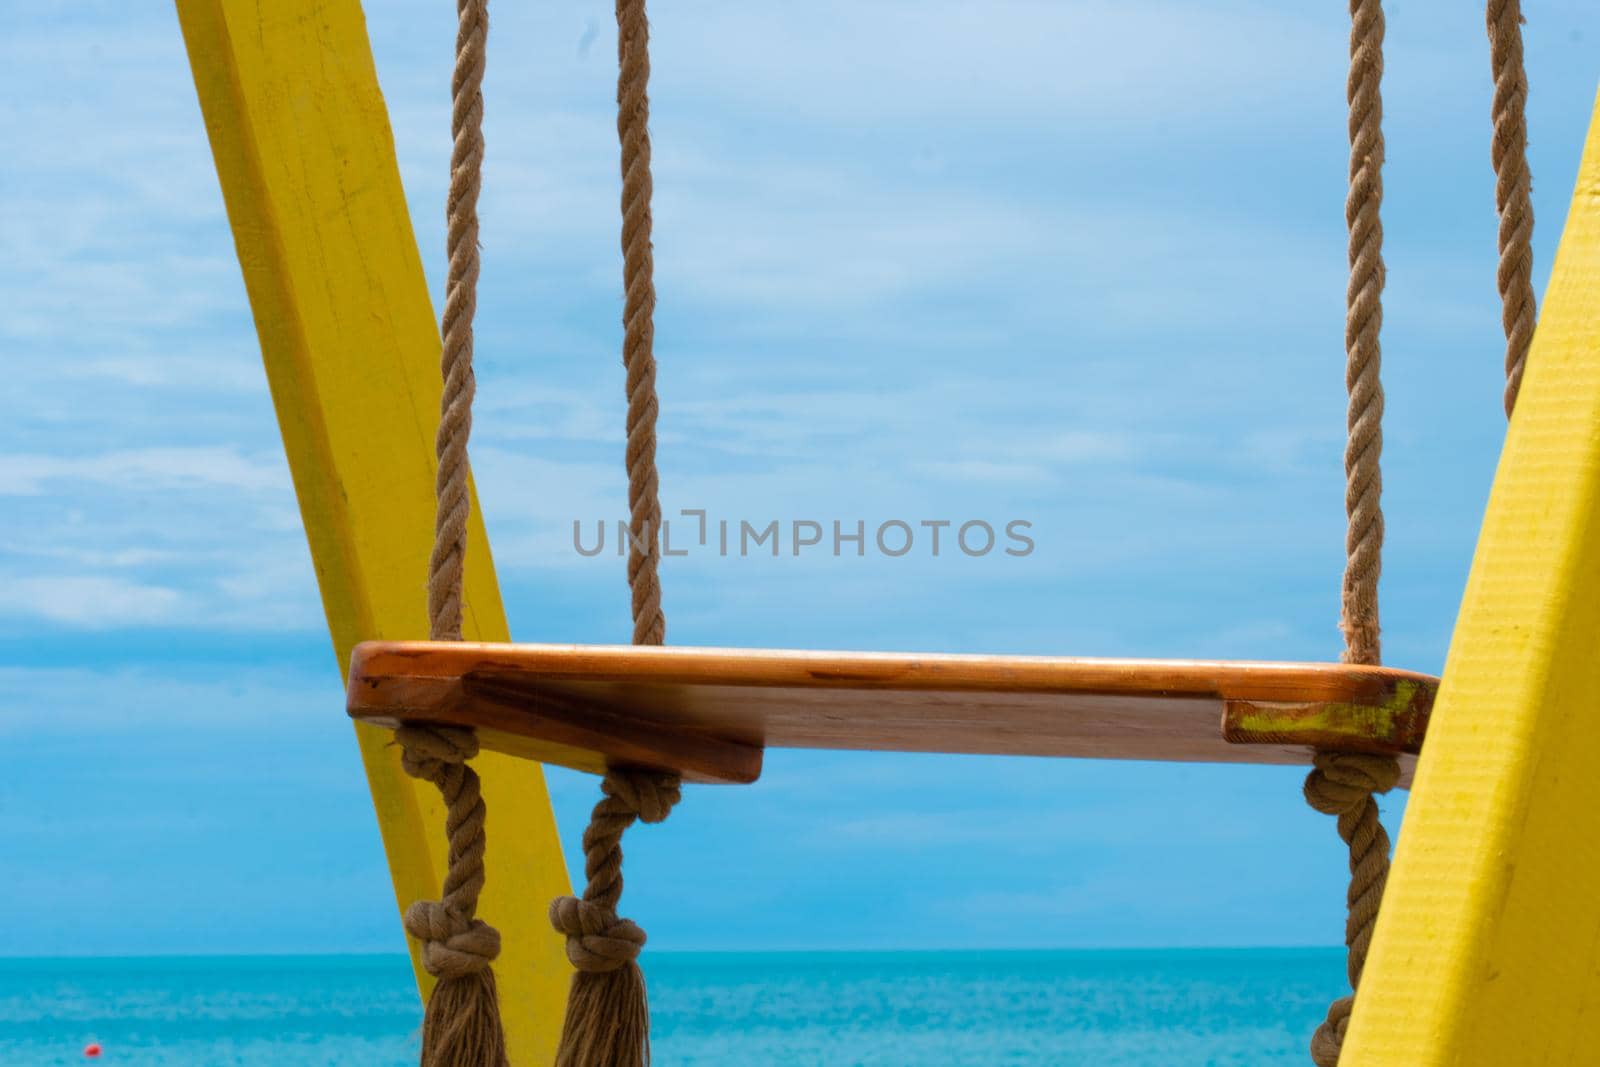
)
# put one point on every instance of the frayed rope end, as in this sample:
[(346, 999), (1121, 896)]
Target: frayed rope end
[(461, 1027), (608, 1020)]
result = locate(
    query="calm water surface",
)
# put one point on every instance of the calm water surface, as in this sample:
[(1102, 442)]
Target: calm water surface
[(1250, 1008)]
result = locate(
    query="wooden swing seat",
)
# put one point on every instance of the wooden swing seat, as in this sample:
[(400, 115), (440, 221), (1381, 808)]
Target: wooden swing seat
[(708, 713)]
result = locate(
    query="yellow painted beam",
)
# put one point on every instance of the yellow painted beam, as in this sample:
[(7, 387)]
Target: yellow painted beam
[(1487, 951), (307, 164)]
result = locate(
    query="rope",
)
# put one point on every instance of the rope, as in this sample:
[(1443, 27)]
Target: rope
[(1513, 188), (1344, 785), (446, 565), (454, 943), (597, 940), (608, 1017), (608, 1013), (461, 1027), (1363, 321), (638, 319)]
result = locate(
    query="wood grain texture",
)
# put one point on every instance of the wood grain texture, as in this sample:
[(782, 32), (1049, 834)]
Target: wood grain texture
[(704, 712), (306, 161), (1485, 952)]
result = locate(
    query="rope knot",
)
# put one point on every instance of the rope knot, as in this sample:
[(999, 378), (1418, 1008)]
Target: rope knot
[(1328, 1041), (650, 794), (597, 941), (426, 752), (453, 945), (1343, 781)]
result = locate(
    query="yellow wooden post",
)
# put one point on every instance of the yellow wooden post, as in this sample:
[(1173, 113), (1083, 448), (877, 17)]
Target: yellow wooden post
[(306, 159), (1487, 951)]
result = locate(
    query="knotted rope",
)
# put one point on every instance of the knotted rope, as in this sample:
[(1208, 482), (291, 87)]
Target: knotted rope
[(597, 940), (1513, 188), (461, 1027), (608, 1016), (608, 1019), (1344, 785)]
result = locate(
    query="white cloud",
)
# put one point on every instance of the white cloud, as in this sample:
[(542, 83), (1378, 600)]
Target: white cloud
[(1087, 59), (1006, 280), (172, 469), (1080, 261), (90, 601), (236, 371)]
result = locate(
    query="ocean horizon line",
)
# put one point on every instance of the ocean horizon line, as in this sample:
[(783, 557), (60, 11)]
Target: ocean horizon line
[(386, 954)]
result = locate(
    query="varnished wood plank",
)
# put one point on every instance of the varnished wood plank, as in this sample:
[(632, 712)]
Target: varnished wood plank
[(550, 727), (658, 698)]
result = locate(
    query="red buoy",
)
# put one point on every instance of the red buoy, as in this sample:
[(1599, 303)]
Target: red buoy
[(92, 1049)]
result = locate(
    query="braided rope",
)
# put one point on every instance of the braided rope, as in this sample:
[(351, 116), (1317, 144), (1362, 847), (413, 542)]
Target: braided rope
[(1513, 188), (455, 944), (597, 940), (461, 1027), (446, 566), (1363, 321), (608, 1019), (638, 318), (638, 359), (1344, 785)]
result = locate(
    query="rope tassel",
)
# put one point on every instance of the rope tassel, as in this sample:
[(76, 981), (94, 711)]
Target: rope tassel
[(608, 1014), (461, 1025)]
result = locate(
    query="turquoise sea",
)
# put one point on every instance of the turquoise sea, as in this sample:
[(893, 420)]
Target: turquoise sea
[(1250, 1008)]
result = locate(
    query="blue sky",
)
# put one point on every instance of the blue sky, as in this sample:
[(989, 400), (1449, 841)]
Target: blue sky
[(1076, 263)]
